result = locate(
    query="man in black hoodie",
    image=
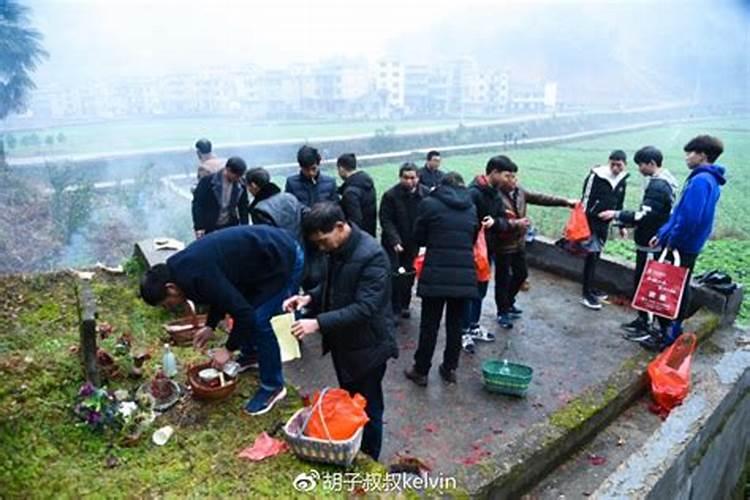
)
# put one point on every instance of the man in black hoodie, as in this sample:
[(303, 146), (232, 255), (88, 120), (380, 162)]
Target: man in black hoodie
[(398, 212), (358, 196), (447, 226), (272, 207), (604, 189), (658, 198)]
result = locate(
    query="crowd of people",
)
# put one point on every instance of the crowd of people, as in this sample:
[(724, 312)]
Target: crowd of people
[(312, 250)]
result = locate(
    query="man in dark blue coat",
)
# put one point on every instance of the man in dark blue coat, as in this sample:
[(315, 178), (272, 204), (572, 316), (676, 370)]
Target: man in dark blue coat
[(309, 185), (349, 309), (245, 272)]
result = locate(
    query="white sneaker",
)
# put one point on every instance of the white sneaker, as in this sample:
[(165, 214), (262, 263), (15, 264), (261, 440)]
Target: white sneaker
[(467, 343), (481, 334)]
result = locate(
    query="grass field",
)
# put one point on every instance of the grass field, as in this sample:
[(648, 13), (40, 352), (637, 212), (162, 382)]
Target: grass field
[(164, 133), (561, 170)]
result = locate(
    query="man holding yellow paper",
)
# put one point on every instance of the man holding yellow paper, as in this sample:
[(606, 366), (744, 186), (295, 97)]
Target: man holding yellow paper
[(351, 308)]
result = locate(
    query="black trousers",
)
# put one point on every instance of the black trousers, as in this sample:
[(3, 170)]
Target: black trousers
[(432, 313), (401, 283), (511, 271), (371, 387), (589, 271)]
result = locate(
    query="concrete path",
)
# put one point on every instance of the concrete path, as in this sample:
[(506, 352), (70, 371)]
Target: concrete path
[(452, 427)]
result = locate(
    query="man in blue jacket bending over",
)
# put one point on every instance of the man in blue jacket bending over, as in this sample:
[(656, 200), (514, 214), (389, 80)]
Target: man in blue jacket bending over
[(691, 222), (246, 272)]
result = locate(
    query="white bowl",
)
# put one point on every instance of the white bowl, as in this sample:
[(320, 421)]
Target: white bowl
[(208, 374)]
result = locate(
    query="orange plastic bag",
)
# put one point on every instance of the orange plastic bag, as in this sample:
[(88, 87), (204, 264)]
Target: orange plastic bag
[(481, 262), (670, 372), (336, 415), (577, 228)]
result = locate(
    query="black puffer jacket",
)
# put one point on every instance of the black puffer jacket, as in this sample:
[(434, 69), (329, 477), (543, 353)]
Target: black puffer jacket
[(447, 225), (658, 199), (488, 202), (359, 201), (603, 191), (274, 208), (350, 305), (309, 192), (398, 212)]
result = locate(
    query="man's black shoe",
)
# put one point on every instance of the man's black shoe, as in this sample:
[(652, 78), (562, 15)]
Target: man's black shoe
[(417, 378), (653, 343), (637, 325), (447, 375)]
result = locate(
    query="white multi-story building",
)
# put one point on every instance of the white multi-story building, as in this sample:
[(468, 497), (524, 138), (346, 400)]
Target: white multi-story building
[(389, 83)]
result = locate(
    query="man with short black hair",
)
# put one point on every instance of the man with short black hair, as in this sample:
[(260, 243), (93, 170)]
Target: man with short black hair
[(208, 162), (310, 186), (691, 222), (271, 206), (430, 175), (398, 212), (246, 272), (358, 196), (349, 307), (220, 199), (604, 189), (658, 198)]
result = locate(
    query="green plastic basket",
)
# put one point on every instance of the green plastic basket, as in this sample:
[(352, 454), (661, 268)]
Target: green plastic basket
[(511, 378)]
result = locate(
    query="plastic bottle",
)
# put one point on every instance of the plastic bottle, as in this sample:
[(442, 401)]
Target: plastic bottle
[(169, 362), (505, 370)]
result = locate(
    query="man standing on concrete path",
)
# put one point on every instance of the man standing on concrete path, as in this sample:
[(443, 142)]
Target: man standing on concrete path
[(310, 186), (348, 309), (604, 189), (208, 162), (658, 198), (398, 212), (272, 207), (430, 175), (447, 226), (358, 196), (245, 272), (691, 222), (510, 261), (220, 199)]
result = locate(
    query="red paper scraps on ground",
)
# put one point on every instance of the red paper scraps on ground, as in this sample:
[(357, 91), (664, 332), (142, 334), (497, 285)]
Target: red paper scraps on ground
[(431, 427), (597, 460), (264, 446)]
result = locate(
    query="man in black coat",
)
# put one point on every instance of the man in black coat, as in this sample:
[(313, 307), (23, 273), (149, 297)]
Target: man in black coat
[(358, 196), (430, 175), (310, 186), (658, 198), (246, 272), (604, 189), (220, 199), (447, 225), (349, 311), (398, 213)]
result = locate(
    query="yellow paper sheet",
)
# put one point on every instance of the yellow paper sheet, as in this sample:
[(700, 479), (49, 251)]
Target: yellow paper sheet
[(289, 346)]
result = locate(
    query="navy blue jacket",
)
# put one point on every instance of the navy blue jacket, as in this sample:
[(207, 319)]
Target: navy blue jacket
[(692, 219), (233, 271), (308, 192), (207, 203)]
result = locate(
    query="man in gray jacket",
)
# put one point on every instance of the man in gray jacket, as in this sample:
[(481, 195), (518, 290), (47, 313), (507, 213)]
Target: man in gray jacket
[(272, 207)]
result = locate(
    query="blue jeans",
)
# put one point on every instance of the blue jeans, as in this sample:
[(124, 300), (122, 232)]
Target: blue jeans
[(473, 310), (263, 339)]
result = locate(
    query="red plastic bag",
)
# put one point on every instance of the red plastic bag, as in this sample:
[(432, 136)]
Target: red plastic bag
[(481, 261), (577, 228), (418, 264), (336, 415), (670, 372), (662, 287), (264, 446)]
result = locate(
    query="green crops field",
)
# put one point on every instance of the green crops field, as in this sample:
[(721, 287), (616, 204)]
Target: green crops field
[(561, 169)]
